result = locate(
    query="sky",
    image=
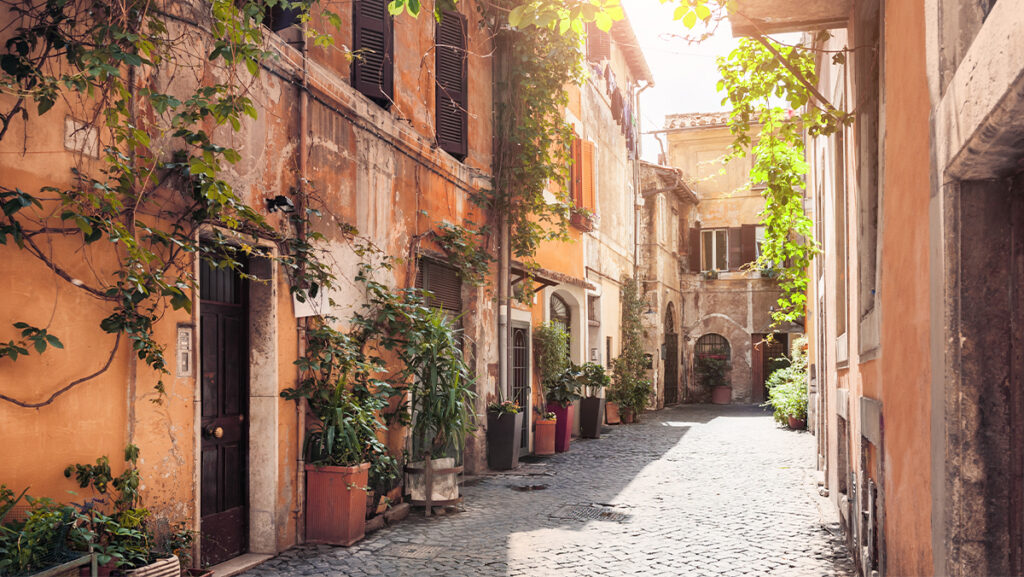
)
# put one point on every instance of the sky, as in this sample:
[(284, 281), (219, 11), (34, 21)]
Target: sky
[(685, 75)]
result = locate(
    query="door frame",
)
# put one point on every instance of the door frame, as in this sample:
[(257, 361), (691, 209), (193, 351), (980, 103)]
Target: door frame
[(521, 319), (264, 404)]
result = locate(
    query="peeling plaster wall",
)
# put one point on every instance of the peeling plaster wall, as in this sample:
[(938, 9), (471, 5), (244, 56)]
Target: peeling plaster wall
[(376, 169), (737, 305)]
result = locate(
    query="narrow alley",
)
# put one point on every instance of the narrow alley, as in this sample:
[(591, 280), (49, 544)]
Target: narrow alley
[(692, 490)]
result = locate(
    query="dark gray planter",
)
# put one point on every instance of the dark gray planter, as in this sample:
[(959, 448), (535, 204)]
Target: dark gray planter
[(504, 433), (591, 417)]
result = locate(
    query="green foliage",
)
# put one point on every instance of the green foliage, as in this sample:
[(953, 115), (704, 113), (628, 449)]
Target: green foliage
[(593, 378), (551, 348), (466, 252), (30, 545), (564, 389), (533, 146), (756, 76), (504, 408), (38, 338), (787, 387), (117, 532), (630, 386), (441, 384), (711, 371)]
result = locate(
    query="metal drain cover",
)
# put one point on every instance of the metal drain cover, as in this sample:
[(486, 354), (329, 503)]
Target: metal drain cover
[(411, 551), (589, 513)]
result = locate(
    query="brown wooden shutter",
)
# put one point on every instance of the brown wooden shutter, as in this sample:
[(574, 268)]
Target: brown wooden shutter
[(735, 249), (748, 240), (443, 283), (576, 172), (693, 249), (450, 62), (598, 44), (373, 43), (587, 176)]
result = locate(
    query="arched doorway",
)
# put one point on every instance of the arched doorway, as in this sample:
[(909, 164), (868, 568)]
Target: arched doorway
[(561, 315), (671, 360)]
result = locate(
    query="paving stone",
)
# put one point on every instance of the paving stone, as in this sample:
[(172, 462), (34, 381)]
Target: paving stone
[(702, 490)]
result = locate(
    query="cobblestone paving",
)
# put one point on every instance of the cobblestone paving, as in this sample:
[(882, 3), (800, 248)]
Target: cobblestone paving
[(695, 490)]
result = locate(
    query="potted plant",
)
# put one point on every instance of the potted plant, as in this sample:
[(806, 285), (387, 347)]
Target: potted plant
[(630, 387), (384, 476), (593, 379), (441, 391), (712, 371), (38, 540), (787, 389), (337, 382), (611, 410), (504, 435), (544, 434), (558, 378)]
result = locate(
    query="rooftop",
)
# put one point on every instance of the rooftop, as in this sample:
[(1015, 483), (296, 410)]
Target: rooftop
[(696, 120)]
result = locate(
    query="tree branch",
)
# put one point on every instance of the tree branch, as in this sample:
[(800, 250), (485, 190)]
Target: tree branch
[(35, 250), (69, 386), (796, 73)]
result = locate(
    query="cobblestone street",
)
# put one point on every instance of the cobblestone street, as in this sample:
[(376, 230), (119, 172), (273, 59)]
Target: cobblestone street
[(694, 490)]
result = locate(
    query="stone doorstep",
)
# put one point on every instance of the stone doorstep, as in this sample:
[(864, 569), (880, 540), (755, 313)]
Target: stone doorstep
[(239, 564)]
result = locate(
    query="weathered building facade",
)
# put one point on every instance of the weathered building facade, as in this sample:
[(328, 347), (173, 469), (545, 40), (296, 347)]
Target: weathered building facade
[(726, 305), (372, 143), (915, 352), (579, 280), (667, 205)]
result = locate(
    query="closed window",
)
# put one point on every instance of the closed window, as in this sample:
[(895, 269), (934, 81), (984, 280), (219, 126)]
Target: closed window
[(451, 99), (372, 46), (714, 249), (758, 240), (598, 44)]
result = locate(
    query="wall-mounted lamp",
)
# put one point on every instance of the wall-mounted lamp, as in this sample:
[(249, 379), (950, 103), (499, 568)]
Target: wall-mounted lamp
[(280, 202)]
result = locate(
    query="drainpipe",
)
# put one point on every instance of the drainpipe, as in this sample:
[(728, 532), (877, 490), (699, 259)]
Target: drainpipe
[(500, 75), (637, 192), (300, 405)]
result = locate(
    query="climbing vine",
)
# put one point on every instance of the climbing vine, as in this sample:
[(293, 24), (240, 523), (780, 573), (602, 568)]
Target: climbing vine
[(771, 84), (158, 175)]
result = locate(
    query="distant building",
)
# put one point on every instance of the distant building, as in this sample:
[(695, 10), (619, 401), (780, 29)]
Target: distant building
[(726, 310)]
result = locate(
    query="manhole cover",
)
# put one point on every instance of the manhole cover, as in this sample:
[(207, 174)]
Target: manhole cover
[(525, 488), (589, 513), (410, 551)]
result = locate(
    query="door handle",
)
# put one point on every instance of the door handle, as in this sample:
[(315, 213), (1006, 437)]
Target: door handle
[(215, 432)]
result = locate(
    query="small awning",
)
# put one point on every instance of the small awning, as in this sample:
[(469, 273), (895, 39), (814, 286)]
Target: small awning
[(749, 17), (543, 277)]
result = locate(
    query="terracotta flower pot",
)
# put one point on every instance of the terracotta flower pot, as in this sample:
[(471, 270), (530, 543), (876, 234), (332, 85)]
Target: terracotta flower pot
[(166, 567), (721, 395), (563, 426), (336, 504), (504, 438), (544, 437), (627, 415), (611, 413), (590, 417), (797, 424)]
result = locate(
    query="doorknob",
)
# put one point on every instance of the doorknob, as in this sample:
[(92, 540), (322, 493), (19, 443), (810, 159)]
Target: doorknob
[(215, 432)]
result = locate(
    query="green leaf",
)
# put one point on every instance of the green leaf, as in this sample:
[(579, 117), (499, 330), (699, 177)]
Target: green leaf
[(690, 20), (515, 17), (54, 342)]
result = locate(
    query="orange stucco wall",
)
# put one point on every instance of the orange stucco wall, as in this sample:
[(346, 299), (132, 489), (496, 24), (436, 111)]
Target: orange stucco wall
[(905, 274), (369, 167)]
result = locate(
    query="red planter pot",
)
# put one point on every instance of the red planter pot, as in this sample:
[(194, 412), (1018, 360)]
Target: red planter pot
[(544, 438), (721, 395), (336, 504), (797, 424), (611, 413), (563, 426), (627, 415)]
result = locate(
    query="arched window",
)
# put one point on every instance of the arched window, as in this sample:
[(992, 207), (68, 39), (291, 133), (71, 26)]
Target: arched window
[(670, 319), (712, 346), (561, 313)]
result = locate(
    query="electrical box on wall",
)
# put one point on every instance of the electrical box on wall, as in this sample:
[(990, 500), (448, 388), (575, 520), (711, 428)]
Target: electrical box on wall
[(184, 356)]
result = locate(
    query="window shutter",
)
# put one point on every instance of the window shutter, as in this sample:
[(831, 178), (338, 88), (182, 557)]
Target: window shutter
[(693, 249), (587, 176), (279, 18), (450, 63), (598, 44), (748, 239), (683, 233), (373, 42), (735, 248), (576, 171), (444, 284)]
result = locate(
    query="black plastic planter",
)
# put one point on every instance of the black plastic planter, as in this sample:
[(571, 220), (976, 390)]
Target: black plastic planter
[(504, 434), (591, 417)]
